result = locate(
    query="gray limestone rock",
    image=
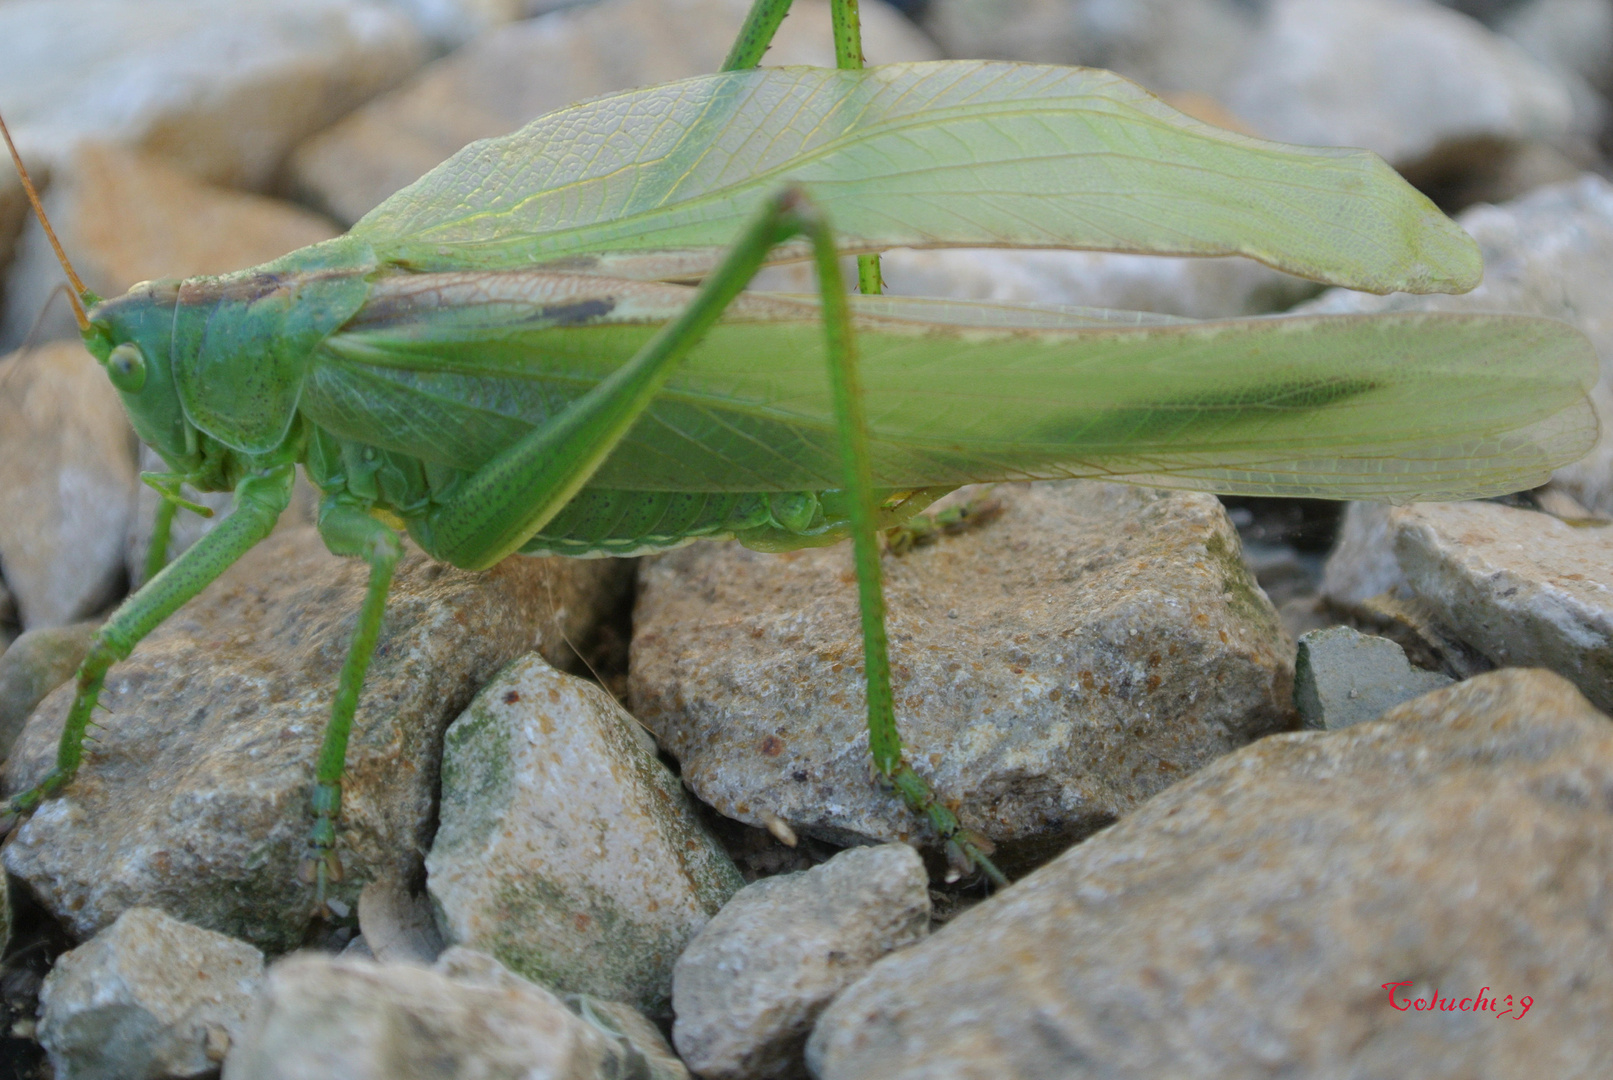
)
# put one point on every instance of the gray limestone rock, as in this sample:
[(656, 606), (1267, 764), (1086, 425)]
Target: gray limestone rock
[(1522, 587), (195, 796), (148, 999), (67, 476), (1292, 910), (1344, 677), (1053, 668), (521, 71), (1405, 78), (751, 984), (221, 93), (322, 1016), (566, 849), (1549, 253), (35, 664), (1508, 585)]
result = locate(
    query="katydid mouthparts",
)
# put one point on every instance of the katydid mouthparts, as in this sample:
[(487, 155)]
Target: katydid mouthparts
[(501, 358)]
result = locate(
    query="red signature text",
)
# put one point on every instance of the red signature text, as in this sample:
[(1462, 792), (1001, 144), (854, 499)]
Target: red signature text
[(1400, 1000)]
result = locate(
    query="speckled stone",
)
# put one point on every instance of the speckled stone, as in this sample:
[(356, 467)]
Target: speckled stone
[(1053, 668), (322, 1016), (151, 997), (195, 796), (751, 984), (566, 848), (1252, 920)]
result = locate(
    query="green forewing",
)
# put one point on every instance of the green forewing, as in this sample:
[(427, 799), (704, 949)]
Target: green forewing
[(955, 153), (1394, 406)]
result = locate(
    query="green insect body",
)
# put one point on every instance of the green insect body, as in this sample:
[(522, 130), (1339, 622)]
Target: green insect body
[(500, 359)]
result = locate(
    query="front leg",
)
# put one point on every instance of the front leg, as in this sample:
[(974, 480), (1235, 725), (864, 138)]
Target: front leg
[(259, 501)]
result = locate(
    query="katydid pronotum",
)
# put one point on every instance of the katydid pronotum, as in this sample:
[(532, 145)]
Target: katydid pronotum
[(501, 357)]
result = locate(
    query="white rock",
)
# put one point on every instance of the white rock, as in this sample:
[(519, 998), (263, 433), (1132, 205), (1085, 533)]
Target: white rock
[(221, 92), (751, 984), (67, 476), (1402, 77), (150, 997), (566, 849)]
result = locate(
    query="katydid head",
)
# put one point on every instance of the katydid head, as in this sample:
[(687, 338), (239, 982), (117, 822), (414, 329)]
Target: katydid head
[(131, 335)]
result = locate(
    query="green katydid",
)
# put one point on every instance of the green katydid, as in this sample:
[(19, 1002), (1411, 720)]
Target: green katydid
[(500, 358)]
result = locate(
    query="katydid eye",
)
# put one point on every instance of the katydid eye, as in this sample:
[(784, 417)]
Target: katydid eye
[(126, 367)]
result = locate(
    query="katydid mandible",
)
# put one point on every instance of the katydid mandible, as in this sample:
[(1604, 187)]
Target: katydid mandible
[(500, 359)]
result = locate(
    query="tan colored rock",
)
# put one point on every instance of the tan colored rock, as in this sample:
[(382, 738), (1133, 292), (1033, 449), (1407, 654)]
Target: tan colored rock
[(124, 217), (222, 93), (1053, 668), (1254, 919), (521, 71), (194, 798), (67, 476), (566, 849)]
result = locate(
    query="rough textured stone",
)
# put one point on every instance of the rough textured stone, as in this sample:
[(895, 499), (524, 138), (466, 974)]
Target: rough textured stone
[(194, 798), (750, 985), (522, 71), (150, 998), (67, 476), (1522, 587), (125, 217), (1053, 668), (1245, 922), (222, 98), (566, 848), (321, 1016), (1405, 78), (1549, 253), (1343, 677), (35, 664)]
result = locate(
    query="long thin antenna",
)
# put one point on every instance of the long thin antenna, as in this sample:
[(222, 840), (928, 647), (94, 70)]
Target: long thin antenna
[(39, 210)]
